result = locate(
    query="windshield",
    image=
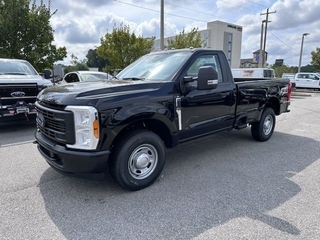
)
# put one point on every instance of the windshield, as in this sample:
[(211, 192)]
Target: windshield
[(13, 67), (86, 77), (155, 66)]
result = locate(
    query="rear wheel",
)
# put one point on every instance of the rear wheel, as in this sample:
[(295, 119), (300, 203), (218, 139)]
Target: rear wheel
[(263, 130), (138, 160)]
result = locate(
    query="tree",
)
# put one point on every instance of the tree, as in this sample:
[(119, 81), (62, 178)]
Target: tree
[(315, 55), (186, 40), (121, 47), (93, 60), (281, 69), (26, 33), (76, 65)]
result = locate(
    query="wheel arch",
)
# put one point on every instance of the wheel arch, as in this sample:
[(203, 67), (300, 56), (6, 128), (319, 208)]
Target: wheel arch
[(273, 103), (154, 125)]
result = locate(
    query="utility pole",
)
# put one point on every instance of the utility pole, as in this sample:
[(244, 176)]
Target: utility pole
[(265, 34), (261, 45), (162, 25)]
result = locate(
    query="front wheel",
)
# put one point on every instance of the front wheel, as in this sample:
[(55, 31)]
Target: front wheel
[(138, 160), (263, 130)]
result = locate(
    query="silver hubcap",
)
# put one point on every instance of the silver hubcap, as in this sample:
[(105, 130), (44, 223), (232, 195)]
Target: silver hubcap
[(143, 161), (268, 125)]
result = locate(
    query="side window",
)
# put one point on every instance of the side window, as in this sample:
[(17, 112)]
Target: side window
[(72, 77), (68, 78), (311, 76), (268, 73), (76, 78), (205, 60), (303, 76)]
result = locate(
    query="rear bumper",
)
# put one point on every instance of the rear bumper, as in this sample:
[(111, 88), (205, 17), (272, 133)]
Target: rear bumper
[(69, 161)]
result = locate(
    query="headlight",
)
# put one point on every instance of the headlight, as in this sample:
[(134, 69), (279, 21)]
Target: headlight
[(86, 125)]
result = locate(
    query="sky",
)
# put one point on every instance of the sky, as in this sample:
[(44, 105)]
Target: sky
[(80, 24)]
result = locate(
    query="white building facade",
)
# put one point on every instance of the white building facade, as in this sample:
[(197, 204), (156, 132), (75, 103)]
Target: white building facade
[(219, 36)]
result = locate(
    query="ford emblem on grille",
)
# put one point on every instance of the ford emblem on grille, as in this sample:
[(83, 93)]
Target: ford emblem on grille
[(18, 94), (41, 121)]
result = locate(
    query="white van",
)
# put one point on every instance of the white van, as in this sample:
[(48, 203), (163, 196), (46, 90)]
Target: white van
[(253, 73), (307, 80)]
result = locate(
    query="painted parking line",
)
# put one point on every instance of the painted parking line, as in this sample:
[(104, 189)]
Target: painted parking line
[(17, 144)]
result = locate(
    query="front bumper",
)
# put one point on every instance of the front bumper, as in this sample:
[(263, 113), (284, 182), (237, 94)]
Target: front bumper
[(71, 161), (19, 108)]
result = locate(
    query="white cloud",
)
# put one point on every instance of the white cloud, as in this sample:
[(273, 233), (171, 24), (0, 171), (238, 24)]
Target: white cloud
[(80, 24)]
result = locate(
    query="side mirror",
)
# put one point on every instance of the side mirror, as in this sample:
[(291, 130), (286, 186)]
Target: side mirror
[(207, 78), (47, 74)]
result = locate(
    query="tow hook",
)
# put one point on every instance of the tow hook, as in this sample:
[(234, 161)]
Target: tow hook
[(26, 115)]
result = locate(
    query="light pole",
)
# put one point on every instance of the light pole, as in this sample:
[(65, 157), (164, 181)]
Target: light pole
[(162, 24), (303, 35)]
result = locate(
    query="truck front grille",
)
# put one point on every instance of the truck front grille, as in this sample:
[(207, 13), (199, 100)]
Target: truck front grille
[(12, 93), (56, 124)]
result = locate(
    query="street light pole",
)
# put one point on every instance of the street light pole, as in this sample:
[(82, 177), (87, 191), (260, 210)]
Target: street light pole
[(303, 35), (162, 25)]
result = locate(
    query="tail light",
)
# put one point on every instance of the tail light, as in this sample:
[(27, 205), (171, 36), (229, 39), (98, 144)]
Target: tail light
[(289, 91)]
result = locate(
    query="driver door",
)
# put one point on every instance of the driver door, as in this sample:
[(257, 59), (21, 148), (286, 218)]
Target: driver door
[(207, 111)]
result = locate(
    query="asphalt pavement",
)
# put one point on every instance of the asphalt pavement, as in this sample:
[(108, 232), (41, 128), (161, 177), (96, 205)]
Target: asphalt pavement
[(226, 186)]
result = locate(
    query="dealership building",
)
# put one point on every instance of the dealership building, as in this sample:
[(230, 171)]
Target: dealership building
[(219, 36)]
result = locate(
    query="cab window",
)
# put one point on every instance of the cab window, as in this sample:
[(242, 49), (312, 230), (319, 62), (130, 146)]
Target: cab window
[(205, 60)]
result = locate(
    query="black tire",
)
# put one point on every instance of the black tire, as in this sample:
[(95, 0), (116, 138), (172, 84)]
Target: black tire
[(263, 130), (138, 160)]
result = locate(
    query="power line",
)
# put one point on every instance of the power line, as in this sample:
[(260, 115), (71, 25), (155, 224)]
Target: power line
[(153, 10), (257, 4), (209, 14), (283, 42), (287, 21), (170, 14), (239, 6)]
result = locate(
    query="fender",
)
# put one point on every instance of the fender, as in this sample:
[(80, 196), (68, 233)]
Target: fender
[(115, 120)]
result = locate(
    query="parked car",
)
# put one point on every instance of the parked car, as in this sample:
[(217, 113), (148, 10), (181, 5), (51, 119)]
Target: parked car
[(162, 99), (307, 80), (85, 76), (20, 84)]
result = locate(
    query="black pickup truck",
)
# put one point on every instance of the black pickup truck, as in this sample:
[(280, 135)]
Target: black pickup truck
[(163, 99)]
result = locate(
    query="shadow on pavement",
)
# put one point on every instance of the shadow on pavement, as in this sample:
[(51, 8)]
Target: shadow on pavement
[(15, 131), (205, 184)]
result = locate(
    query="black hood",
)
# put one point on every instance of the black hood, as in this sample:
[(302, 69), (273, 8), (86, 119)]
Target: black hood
[(67, 94)]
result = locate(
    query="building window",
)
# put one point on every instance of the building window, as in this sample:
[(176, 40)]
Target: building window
[(205, 45), (205, 35), (229, 53)]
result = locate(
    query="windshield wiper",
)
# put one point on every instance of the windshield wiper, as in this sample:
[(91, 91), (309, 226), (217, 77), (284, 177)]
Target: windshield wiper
[(113, 78), (133, 78), (13, 73)]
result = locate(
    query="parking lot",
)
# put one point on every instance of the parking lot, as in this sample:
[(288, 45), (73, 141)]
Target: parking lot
[(226, 186)]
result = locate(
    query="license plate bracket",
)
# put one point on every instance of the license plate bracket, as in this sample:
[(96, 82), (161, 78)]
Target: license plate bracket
[(22, 109)]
